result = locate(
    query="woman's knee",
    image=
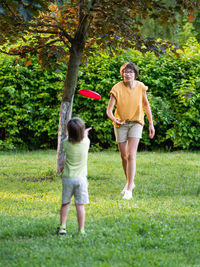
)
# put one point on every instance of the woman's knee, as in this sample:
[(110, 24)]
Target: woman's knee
[(123, 156), (131, 156)]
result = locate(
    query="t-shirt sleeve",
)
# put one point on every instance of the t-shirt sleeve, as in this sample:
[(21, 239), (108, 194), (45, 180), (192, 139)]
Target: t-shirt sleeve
[(86, 141), (114, 92), (144, 87)]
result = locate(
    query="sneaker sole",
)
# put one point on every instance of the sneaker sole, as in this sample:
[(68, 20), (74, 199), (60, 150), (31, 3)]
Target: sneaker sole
[(62, 232), (127, 198)]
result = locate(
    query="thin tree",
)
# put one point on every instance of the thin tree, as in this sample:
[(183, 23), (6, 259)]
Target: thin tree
[(65, 30)]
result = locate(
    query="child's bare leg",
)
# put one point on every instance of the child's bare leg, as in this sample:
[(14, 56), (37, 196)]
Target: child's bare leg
[(80, 216), (63, 213)]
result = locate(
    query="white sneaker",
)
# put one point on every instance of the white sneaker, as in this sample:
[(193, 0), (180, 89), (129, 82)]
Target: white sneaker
[(123, 191), (125, 188), (133, 186), (127, 195), (61, 230)]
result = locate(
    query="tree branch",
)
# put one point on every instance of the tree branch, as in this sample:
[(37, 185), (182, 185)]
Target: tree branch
[(65, 42), (69, 38), (39, 24), (47, 31), (12, 12), (50, 43), (10, 54), (25, 52)]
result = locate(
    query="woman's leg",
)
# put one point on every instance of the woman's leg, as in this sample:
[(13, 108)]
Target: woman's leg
[(80, 216), (63, 213), (132, 147), (123, 153)]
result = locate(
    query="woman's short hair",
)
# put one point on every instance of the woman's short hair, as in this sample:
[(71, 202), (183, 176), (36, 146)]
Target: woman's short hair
[(129, 65), (76, 129)]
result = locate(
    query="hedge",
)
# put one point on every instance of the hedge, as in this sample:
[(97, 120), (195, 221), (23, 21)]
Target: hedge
[(29, 105), (30, 99)]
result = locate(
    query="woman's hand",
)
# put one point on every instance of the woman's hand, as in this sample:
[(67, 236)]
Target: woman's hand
[(151, 131), (149, 115), (117, 121)]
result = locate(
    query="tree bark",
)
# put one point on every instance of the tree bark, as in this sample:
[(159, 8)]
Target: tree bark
[(65, 115), (67, 103), (76, 51)]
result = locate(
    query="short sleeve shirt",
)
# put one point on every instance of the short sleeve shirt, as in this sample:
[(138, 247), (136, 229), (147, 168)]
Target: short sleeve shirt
[(129, 102), (76, 158)]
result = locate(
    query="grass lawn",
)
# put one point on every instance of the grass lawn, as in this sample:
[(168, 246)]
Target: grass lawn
[(160, 226)]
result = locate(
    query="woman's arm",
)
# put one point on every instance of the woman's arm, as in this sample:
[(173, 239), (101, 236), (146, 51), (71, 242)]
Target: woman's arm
[(110, 108), (149, 115)]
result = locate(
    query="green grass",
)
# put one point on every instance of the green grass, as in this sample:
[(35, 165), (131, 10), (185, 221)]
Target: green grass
[(160, 226)]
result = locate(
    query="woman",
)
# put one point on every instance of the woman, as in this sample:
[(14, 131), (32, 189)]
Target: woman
[(130, 99)]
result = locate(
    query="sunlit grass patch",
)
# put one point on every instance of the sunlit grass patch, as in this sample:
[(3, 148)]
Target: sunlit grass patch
[(158, 227)]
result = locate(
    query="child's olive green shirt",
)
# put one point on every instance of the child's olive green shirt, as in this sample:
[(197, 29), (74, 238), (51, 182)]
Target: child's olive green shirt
[(76, 158)]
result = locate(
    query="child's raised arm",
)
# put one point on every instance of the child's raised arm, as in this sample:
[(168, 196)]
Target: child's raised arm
[(86, 131)]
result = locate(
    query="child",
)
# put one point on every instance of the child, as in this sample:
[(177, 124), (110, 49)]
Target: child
[(74, 177)]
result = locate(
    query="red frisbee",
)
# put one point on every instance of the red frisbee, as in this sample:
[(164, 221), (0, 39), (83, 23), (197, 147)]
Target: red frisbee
[(89, 93)]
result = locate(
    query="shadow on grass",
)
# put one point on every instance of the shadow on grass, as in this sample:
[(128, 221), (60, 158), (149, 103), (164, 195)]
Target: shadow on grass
[(54, 177), (97, 177), (38, 179)]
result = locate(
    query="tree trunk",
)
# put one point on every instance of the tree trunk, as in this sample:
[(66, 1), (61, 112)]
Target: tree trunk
[(67, 101), (76, 51), (65, 115)]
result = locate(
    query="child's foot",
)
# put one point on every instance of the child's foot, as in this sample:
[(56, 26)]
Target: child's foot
[(61, 230), (127, 195), (82, 233)]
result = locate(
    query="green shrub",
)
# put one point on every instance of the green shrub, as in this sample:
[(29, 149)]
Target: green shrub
[(185, 131), (166, 76), (163, 118), (30, 99)]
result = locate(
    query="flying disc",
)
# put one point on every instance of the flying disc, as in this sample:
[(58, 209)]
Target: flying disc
[(89, 93)]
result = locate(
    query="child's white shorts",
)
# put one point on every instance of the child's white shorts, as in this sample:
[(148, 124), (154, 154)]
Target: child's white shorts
[(77, 187), (129, 129)]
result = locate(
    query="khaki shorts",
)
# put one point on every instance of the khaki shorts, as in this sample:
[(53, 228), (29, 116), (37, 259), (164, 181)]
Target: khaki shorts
[(77, 187), (129, 129)]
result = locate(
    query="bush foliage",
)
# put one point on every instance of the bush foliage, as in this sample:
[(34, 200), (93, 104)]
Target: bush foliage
[(30, 99)]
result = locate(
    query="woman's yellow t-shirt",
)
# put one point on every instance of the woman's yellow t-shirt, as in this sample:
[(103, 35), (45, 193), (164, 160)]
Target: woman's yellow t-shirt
[(129, 102)]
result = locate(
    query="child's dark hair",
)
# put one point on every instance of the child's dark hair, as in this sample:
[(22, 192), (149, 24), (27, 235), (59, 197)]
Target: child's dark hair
[(76, 129)]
